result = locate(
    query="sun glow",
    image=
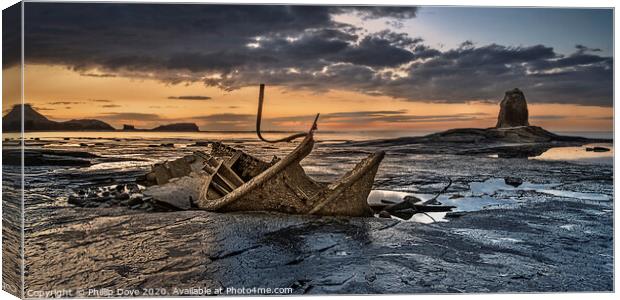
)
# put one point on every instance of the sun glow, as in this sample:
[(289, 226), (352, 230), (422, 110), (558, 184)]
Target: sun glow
[(148, 102)]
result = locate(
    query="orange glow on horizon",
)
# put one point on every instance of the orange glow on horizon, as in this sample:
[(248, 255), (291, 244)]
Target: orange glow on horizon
[(63, 94)]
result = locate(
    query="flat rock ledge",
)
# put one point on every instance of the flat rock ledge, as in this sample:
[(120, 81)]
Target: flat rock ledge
[(505, 250), (521, 141)]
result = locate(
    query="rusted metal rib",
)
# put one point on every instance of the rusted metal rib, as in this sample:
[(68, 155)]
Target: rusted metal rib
[(259, 116)]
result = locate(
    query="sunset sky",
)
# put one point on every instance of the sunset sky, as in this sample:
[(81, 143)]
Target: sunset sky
[(362, 68)]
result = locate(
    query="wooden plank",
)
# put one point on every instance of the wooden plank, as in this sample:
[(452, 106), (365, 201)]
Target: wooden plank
[(212, 166), (220, 189), (227, 172), (233, 159), (224, 182)]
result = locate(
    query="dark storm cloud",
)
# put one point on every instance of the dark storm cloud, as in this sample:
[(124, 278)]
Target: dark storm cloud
[(123, 116), (227, 121), (190, 97), (547, 117), (64, 102), (97, 75), (482, 73), (559, 117), (302, 47), (355, 114), (583, 48), (40, 108), (110, 106), (227, 118), (11, 35), (376, 52), (129, 31), (375, 12), (602, 118), (582, 57), (399, 116), (246, 121)]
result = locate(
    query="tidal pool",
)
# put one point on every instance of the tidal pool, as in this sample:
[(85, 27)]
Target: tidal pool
[(579, 154), (488, 194)]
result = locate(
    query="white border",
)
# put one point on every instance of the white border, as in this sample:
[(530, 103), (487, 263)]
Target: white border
[(505, 3)]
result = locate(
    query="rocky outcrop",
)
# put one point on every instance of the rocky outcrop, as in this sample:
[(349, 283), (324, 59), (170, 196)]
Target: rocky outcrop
[(511, 137), (84, 125), (513, 110), (523, 141), (184, 127), (486, 136), (34, 121), (47, 157), (53, 157), (11, 122)]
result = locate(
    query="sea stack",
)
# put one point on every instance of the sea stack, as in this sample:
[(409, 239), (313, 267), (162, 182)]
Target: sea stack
[(513, 110)]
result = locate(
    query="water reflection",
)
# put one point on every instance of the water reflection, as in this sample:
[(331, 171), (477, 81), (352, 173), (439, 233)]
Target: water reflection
[(579, 154), (489, 194)]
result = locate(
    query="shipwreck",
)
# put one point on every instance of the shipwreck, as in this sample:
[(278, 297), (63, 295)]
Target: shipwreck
[(228, 179), (225, 179)]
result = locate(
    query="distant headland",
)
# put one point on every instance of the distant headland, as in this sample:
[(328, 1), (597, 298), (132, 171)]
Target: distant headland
[(512, 136), (35, 121), (175, 127)]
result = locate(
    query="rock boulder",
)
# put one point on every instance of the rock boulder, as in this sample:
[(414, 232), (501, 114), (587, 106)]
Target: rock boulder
[(513, 110)]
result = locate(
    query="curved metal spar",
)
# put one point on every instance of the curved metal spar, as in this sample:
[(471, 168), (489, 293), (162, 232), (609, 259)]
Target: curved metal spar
[(259, 116)]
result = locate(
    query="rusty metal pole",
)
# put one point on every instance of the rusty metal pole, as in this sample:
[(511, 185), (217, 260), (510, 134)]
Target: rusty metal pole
[(259, 116)]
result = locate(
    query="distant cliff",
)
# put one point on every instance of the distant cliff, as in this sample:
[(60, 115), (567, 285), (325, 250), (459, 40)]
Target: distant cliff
[(183, 127), (34, 121)]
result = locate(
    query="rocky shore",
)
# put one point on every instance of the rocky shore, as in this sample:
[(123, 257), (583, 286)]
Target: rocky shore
[(513, 142), (531, 249), (550, 238), (519, 225)]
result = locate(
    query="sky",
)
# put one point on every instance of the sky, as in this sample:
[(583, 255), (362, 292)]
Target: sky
[(362, 68)]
